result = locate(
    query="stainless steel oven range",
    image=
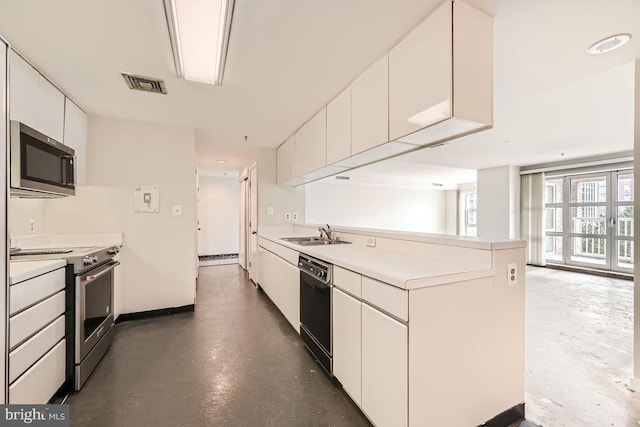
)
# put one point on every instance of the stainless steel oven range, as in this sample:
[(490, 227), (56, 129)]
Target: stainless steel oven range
[(90, 276)]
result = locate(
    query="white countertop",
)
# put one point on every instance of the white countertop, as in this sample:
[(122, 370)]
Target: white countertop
[(47, 241), (405, 271), (19, 271)]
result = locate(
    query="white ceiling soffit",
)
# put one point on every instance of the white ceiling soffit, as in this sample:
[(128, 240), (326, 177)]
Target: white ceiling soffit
[(288, 58)]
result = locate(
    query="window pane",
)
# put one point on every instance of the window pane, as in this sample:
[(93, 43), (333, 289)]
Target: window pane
[(471, 231), (553, 219), (588, 250), (589, 219), (553, 190), (472, 218), (625, 253), (553, 248), (471, 201), (625, 220), (625, 187), (589, 190)]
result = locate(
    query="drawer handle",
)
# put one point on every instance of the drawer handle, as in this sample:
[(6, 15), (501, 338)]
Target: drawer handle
[(99, 332)]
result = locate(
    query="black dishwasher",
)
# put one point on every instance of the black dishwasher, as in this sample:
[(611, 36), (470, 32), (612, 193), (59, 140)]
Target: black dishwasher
[(315, 309)]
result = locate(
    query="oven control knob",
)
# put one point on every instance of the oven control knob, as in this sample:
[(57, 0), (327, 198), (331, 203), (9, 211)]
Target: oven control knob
[(87, 260), (94, 259), (113, 251), (321, 274)]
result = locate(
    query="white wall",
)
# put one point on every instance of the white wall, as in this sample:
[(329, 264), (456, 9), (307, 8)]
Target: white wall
[(499, 202), (159, 254), (376, 207), (21, 211), (218, 207), (451, 212), (282, 198)]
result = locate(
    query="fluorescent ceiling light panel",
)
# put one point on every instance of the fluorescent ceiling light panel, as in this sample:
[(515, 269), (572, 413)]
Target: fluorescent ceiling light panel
[(199, 31)]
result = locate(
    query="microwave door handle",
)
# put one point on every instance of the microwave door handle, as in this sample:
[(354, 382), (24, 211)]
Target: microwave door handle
[(67, 170)]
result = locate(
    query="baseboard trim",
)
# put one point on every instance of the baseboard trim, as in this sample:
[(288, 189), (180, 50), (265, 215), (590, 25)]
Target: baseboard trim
[(125, 317), (592, 271), (506, 418)]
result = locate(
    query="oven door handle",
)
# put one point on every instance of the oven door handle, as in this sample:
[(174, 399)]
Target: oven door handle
[(92, 277)]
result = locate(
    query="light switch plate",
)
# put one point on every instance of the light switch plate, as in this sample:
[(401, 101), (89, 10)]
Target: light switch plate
[(270, 210), (146, 199), (371, 241), (176, 210)]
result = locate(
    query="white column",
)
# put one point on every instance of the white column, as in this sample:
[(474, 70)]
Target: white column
[(499, 203), (635, 381)]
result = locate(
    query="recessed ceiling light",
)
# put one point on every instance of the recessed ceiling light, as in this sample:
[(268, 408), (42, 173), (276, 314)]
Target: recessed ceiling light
[(222, 162), (609, 44)]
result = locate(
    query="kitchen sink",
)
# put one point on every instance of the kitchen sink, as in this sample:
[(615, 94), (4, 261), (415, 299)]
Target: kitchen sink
[(312, 241)]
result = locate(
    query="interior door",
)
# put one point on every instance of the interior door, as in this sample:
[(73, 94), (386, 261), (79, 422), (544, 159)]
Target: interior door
[(242, 252), (253, 223)]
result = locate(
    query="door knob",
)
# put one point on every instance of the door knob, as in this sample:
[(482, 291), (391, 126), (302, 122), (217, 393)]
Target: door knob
[(254, 232)]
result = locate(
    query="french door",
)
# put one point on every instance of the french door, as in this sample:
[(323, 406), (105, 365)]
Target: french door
[(588, 220)]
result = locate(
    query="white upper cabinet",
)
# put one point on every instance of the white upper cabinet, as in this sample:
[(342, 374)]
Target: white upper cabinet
[(23, 89), (75, 136), (339, 127), (311, 144), (420, 75), (50, 110), (285, 160), (441, 76), (34, 100), (369, 107)]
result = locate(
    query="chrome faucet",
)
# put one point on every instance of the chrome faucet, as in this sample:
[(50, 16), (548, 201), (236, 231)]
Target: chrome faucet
[(326, 231)]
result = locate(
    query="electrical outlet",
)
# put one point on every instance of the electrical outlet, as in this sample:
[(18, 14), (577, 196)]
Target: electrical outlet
[(295, 216), (371, 241), (32, 226), (512, 274), (287, 216), (270, 210)]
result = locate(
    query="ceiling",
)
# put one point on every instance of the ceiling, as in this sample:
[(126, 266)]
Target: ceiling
[(288, 58)]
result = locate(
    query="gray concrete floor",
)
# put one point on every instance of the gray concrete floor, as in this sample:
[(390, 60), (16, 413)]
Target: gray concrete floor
[(235, 362), (579, 350)]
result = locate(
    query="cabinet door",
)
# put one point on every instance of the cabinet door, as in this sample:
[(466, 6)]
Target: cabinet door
[(289, 292), (23, 91), (50, 110), (339, 127), (347, 344), (311, 144), (285, 160), (384, 369), (370, 107), (75, 136), (420, 75)]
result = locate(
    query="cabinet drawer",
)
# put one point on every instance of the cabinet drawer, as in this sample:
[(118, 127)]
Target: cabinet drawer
[(283, 252), (29, 352), (26, 293), (348, 281), (28, 322), (394, 301), (39, 383)]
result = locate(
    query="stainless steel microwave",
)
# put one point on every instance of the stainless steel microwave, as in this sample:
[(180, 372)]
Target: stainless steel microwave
[(40, 166)]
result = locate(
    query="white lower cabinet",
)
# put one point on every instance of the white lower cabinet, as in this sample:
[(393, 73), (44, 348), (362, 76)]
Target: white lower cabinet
[(347, 344), (384, 369), (280, 280), (41, 381)]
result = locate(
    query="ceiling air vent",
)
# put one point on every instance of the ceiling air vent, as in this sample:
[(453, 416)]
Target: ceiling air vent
[(146, 84)]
